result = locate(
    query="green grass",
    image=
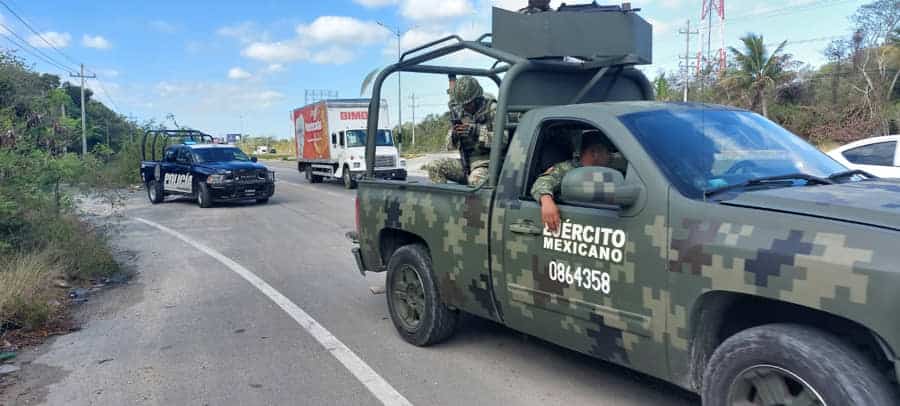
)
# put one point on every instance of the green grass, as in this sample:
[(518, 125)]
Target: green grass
[(26, 289)]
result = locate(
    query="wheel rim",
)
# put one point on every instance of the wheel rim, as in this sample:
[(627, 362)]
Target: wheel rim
[(768, 385), (151, 190), (347, 180), (408, 297), (200, 197)]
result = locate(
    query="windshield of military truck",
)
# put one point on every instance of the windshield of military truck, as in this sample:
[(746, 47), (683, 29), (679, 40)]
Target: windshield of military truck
[(357, 138), (703, 150), (202, 155)]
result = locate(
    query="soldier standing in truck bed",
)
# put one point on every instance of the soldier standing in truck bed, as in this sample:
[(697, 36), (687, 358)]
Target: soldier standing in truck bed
[(471, 135), (536, 6)]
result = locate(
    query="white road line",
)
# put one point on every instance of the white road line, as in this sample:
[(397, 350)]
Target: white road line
[(362, 371)]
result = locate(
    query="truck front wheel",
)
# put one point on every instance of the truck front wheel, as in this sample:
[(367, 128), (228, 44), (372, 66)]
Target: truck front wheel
[(349, 183), (787, 364), (413, 298), (204, 200), (155, 191)]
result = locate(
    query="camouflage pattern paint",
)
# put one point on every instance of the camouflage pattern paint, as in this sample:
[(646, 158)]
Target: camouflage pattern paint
[(826, 248)]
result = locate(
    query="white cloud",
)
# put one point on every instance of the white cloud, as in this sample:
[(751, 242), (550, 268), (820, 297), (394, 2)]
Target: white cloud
[(375, 3), (96, 42), (333, 55), (326, 40), (660, 27), (219, 96), (272, 52), (56, 39), (245, 32), (342, 30), (163, 26), (427, 9), (275, 67), (3, 31), (238, 74)]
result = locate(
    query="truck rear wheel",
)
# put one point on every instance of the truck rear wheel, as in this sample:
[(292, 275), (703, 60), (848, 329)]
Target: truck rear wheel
[(786, 364), (349, 183), (413, 298), (310, 177), (155, 191)]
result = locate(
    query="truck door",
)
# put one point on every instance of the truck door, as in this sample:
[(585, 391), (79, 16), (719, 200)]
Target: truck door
[(178, 177), (589, 286)]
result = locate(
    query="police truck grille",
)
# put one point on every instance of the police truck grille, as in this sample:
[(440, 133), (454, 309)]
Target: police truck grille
[(385, 161), (249, 176)]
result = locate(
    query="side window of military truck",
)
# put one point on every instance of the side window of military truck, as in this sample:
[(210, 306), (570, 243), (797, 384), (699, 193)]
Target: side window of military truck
[(560, 141)]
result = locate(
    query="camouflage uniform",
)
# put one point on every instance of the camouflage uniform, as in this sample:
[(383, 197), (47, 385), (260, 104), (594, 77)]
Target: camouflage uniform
[(475, 146), (548, 183), (536, 6)]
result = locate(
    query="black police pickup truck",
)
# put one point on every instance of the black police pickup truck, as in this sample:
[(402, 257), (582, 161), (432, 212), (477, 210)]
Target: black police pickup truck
[(208, 173)]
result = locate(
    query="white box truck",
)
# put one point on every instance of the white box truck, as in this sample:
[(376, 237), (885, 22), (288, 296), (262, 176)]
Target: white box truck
[(331, 142)]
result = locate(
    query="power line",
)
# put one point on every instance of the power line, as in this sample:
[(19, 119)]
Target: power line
[(36, 32), (105, 93), (25, 46)]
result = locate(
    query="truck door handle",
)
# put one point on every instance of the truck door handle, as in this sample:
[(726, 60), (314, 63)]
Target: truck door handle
[(526, 227)]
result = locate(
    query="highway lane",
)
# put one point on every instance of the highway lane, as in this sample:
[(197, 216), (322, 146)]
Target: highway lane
[(191, 331)]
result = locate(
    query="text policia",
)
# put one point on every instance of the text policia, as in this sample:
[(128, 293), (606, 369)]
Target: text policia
[(601, 243)]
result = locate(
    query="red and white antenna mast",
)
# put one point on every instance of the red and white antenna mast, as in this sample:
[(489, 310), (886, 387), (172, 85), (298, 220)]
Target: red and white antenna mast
[(712, 36)]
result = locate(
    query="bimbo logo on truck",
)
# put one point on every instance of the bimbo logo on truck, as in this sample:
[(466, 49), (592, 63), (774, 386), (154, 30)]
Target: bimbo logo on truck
[(355, 115)]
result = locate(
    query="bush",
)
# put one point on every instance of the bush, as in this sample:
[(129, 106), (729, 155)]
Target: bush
[(26, 288)]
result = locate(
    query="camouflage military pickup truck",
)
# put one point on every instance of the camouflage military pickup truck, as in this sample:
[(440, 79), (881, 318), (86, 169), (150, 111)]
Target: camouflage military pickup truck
[(716, 250)]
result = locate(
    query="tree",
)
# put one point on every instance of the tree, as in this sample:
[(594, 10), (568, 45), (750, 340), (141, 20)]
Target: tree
[(879, 65), (758, 70), (662, 87)]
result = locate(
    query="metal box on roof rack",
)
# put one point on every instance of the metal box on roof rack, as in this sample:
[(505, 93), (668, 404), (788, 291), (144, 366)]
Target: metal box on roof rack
[(585, 32)]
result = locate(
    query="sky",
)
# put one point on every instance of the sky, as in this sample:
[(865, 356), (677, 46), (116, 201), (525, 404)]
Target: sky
[(242, 66)]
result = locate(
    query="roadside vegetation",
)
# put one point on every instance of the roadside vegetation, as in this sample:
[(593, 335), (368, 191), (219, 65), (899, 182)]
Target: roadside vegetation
[(44, 247), (854, 95)]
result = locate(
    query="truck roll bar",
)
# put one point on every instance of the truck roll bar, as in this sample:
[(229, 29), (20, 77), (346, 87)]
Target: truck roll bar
[(193, 135)]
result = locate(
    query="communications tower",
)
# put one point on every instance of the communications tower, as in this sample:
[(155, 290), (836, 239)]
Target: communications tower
[(712, 36)]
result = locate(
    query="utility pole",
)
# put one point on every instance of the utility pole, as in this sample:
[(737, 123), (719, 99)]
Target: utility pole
[(397, 32), (83, 117), (686, 59), (413, 106)]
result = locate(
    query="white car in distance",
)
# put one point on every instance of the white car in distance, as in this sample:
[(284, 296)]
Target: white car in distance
[(876, 155)]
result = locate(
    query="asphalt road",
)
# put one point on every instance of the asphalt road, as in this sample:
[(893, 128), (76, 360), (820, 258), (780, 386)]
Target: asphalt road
[(191, 330)]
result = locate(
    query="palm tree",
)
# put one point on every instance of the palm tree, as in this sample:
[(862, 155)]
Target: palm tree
[(758, 70)]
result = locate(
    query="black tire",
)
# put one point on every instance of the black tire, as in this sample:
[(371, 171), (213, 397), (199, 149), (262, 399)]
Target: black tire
[(204, 200), (262, 201), (349, 182), (797, 357), (437, 322), (155, 191), (310, 177)]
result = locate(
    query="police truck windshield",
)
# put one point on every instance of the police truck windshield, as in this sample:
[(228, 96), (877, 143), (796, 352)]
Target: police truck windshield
[(705, 150), (202, 155), (357, 138)]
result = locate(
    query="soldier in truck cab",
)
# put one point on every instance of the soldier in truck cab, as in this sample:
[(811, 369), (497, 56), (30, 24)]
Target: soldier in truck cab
[(595, 151)]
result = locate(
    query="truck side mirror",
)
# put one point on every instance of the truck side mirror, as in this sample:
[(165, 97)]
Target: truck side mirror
[(399, 138), (254, 159), (598, 185)]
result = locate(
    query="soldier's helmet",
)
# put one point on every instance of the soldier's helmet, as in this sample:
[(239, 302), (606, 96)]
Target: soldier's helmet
[(466, 90)]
